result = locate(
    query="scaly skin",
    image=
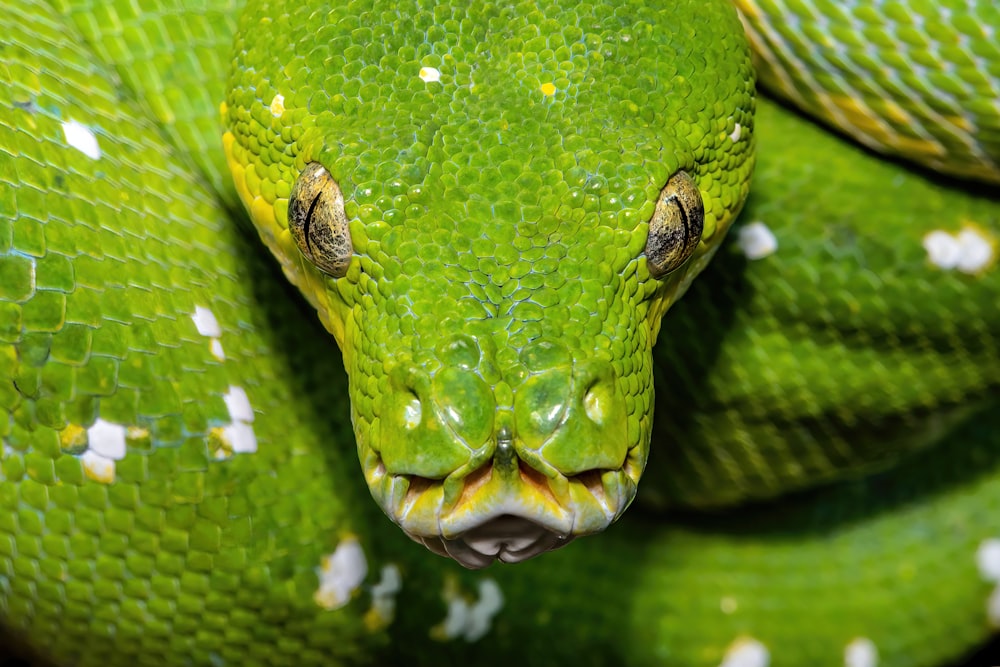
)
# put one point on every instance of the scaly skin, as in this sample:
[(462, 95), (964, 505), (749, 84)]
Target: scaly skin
[(475, 301), (186, 558), (104, 263), (918, 80)]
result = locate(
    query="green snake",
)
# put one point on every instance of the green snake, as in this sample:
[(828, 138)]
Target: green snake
[(496, 209)]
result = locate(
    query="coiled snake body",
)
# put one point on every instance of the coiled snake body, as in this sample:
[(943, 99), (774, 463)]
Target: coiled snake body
[(492, 207)]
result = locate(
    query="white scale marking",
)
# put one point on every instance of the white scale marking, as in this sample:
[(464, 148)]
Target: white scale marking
[(384, 592), (471, 621), (976, 252), (215, 347), (278, 106), (988, 560), (105, 445), (208, 325), (238, 404), (861, 652), (969, 251), (82, 138), (107, 439), (241, 437), (746, 652), (430, 74), (240, 433), (340, 574), (97, 467), (757, 241)]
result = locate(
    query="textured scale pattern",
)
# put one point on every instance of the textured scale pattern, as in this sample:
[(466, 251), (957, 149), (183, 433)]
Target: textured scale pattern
[(916, 79), (103, 263), (199, 554), (177, 89), (488, 285), (915, 347)]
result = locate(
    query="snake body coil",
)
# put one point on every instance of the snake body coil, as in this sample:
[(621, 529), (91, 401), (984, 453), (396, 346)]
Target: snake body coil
[(495, 210)]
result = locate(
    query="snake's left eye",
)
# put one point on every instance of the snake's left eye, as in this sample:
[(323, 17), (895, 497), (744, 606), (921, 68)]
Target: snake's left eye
[(676, 226), (317, 221)]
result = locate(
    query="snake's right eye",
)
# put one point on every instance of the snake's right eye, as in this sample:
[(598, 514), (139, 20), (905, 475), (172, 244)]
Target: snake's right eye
[(676, 226), (317, 221)]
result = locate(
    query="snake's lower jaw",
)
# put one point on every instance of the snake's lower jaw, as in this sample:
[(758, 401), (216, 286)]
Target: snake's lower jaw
[(503, 511), (507, 538)]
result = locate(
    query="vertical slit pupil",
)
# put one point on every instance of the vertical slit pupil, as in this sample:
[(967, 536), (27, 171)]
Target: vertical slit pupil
[(307, 226)]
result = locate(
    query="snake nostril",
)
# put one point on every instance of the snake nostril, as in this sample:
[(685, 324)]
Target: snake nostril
[(412, 411), (441, 420), (598, 401), (574, 418), (406, 405)]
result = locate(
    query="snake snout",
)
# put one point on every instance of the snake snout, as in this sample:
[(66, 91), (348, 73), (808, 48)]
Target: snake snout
[(572, 418), (483, 466), (440, 423)]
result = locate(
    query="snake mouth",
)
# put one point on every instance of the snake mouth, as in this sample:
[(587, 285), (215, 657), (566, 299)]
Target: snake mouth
[(507, 513), (506, 538)]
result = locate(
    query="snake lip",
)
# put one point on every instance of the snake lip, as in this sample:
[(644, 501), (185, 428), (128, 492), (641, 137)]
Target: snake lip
[(489, 522), (499, 517), (506, 511)]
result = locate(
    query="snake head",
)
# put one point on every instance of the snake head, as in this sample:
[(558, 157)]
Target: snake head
[(491, 214)]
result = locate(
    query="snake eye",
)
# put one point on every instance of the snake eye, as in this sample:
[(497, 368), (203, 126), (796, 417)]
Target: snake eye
[(317, 221), (676, 225)]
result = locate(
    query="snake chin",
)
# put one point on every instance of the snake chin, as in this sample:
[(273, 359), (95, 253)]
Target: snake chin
[(507, 513), (506, 538)]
